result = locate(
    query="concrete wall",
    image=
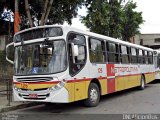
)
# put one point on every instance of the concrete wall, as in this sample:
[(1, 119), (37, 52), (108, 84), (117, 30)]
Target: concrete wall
[(148, 39)]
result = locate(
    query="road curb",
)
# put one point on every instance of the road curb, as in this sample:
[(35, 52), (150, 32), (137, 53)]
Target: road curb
[(23, 105)]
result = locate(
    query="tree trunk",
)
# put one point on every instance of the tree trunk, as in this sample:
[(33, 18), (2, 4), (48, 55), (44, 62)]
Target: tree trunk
[(44, 12), (16, 18), (28, 13), (48, 10)]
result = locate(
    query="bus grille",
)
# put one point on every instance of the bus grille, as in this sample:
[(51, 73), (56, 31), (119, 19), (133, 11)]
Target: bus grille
[(35, 79), (38, 97), (34, 89)]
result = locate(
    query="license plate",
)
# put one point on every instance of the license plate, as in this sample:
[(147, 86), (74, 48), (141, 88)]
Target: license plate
[(33, 95)]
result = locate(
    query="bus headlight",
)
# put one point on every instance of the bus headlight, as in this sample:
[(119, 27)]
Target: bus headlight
[(58, 86), (17, 89)]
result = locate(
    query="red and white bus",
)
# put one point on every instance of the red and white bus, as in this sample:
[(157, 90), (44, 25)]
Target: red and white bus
[(61, 64)]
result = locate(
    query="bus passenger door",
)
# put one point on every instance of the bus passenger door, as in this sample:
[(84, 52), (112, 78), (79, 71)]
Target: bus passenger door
[(77, 60)]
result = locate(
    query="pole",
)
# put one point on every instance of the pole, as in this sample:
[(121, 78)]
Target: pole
[(8, 80)]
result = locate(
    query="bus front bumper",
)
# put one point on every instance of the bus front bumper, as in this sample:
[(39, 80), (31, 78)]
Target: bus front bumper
[(53, 96)]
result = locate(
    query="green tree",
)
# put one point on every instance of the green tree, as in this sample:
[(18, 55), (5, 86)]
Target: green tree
[(96, 19), (104, 17), (115, 18), (131, 21), (111, 18), (60, 11)]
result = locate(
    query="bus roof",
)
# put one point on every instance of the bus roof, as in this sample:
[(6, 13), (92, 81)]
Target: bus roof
[(106, 38)]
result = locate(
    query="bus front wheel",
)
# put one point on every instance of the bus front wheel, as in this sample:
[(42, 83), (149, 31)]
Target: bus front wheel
[(93, 96)]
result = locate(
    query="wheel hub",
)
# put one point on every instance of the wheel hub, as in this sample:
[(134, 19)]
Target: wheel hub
[(93, 95)]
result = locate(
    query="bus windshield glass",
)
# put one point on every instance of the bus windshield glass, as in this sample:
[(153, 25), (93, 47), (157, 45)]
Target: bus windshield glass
[(38, 33), (40, 58)]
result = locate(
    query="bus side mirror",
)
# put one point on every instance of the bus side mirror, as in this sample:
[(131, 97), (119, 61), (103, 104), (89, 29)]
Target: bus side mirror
[(74, 50), (7, 52)]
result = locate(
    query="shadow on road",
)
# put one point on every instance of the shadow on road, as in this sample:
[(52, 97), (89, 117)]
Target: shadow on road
[(57, 108), (155, 82), (69, 107)]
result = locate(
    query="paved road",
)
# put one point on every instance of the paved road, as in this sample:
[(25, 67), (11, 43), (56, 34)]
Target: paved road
[(131, 101)]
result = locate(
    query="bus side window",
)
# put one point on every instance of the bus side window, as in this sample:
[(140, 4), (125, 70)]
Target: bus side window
[(112, 51), (129, 54), (124, 54), (96, 50), (150, 58), (146, 57), (133, 55), (158, 60), (140, 56)]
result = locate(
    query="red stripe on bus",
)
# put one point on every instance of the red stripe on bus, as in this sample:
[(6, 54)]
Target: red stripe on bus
[(149, 73), (85, 79), (111, 87)]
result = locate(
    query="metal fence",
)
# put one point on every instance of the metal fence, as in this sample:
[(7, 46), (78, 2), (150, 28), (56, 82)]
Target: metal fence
[(6, 70), (6, 73)]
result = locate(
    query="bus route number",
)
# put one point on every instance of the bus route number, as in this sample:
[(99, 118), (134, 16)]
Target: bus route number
[(24, 85)]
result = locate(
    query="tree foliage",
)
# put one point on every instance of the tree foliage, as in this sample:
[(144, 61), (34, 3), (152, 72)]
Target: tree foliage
[(61, 10), (101, 17), (131, 21), (111, 18), (115, 18)]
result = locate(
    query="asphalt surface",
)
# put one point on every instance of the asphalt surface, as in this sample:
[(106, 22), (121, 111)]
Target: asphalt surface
[(130, 102)]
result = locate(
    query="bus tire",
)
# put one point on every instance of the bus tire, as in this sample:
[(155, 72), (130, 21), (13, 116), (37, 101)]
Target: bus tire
[(93, 96), (142, 84)]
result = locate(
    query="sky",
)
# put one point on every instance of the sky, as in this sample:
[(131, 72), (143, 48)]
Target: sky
[(150, 12), (76, 23), (151, 15)]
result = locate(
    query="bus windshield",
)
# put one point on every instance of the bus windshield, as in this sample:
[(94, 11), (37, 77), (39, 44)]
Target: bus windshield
[(40, 58)]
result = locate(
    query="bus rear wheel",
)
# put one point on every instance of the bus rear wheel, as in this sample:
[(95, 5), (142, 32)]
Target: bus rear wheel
[(142, 84), (93, 96)]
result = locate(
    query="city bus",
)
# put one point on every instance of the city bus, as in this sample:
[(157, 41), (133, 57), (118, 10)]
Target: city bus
[(157, 63), (61, 64)]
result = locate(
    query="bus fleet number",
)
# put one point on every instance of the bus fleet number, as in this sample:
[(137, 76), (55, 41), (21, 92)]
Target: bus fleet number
[(100, 70)]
